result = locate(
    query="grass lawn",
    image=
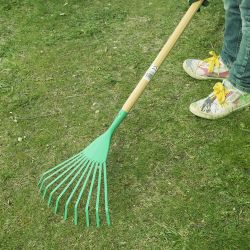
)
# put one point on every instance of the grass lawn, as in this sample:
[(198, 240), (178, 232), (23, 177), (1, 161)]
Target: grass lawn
[(66, 68)]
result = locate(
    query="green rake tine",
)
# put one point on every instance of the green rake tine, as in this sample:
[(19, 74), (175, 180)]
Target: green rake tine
[(89, 197), (106, 194), (63, 181), (69, 184), (57, 171), (79, 198), (98, 196), (57, 166), (59, 176), (73, 191)]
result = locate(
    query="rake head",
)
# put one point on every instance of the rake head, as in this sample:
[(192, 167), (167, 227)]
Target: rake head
[(74, 180)]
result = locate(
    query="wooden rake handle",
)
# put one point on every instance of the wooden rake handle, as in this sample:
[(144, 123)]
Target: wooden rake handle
[(137, 92)]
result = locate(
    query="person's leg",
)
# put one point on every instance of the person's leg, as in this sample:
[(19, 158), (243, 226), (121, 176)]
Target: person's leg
[(233, 32), (234, 93), (240, 71), (200, 69)]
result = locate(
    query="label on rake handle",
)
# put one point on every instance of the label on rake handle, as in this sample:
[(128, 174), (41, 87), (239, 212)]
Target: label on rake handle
[(150, 72)]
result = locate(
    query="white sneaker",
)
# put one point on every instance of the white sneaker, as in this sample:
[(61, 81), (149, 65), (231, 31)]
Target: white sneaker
[(210, 68), (224, 100)]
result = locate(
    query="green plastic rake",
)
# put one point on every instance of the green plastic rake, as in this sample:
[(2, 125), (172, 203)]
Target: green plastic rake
[(83, 177)]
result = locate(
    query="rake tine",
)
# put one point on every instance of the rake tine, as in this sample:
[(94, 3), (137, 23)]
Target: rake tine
[(57, 171), (61, 183), (89, 197), (74, 190), (98, 196), (106, 194), (57, 166), (79, 198), (69, 184)]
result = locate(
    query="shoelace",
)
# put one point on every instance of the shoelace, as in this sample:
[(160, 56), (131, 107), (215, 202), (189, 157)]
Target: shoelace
[(212, 61), (220, 92)]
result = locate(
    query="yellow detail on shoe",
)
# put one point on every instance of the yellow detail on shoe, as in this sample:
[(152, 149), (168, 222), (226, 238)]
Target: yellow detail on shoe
[(212, 61), (220, 92)]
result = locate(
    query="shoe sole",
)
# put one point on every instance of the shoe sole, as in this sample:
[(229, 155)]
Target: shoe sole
[(190, 73)]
